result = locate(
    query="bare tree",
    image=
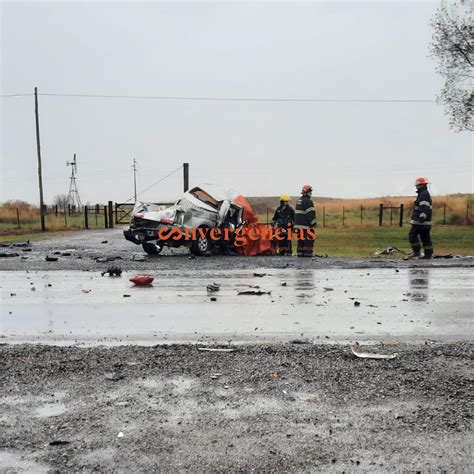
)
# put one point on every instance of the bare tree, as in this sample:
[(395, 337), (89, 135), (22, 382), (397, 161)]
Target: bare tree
[(452, 46), (61, 201)]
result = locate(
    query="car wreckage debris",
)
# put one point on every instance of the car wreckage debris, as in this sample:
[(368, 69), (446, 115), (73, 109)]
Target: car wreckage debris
[(8, 255), (113, 271), (114, 376), (389, 251), (355, 348), (254, 292), (142, 280), (214, 349)]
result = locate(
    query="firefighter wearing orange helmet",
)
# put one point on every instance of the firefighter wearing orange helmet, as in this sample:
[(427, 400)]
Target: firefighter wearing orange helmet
[(421, 222), (305, 221)]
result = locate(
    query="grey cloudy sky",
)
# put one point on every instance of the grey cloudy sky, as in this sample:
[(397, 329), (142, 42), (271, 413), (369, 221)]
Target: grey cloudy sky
[(337, 50)]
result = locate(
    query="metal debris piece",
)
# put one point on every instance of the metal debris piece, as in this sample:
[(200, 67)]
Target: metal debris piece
[(389, 251), (355, 348), (114, 376), (253, 292), (214, 349), (213, 287), (7, 255)]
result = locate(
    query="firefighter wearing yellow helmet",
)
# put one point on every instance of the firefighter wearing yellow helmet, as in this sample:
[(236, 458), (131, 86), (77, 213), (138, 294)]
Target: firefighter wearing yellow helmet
[(282, 222)]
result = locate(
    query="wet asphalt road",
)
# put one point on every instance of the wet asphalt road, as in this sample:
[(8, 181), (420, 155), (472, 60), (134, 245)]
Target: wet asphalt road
[(278, 406)]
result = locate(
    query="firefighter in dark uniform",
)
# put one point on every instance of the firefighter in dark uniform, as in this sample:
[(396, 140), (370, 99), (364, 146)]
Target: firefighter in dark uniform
[(282, 222), (421, 222), (305, 220)]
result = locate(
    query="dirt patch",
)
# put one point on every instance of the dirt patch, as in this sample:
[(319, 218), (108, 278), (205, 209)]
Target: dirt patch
[(288, 407)]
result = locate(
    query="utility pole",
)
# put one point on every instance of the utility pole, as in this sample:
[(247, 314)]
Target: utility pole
[(40, 174), (135, 169), (186, 176)]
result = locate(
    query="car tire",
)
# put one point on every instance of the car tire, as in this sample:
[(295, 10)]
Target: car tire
[(201, 246), (152, 249)]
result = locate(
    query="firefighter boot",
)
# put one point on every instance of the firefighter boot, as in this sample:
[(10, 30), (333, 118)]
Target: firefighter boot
[(428, 254)]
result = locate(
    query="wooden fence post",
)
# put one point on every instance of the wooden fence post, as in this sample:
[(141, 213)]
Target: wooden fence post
[(381, 214), (361, 217), (116, 213), (106, 221), (111, 215), (56, 209), (65, 217), (444, 214), (391, 215), (324, 216), (86, 217), (401, 215), (17, 218), (96, 212), (343, 216)]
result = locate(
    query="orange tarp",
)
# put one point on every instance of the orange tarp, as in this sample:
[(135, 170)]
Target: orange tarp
[(253, 237)]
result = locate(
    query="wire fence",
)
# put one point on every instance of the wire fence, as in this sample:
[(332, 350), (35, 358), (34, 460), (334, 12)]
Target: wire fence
[(27, 219)]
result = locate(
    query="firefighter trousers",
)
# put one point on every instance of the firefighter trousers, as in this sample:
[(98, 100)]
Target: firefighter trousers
[(417, 233), (305, 244)]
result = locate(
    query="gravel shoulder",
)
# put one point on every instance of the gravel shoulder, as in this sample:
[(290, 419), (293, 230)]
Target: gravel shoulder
[(283, 407)]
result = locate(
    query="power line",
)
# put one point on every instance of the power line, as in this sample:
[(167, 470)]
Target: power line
[(154, 184), (229, 99)]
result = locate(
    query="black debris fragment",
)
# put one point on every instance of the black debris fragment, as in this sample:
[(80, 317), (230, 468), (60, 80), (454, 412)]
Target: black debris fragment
[(259, 274), (51, 259), (113, 271), (254, 292), (58, 442), (356, 303)]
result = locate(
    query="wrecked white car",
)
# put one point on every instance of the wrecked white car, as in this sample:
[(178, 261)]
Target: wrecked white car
[(204, 207)]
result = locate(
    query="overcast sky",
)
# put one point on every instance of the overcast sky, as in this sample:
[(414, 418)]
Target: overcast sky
[(321, 50)]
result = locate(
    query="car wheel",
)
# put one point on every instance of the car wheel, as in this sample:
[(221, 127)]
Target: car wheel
[(202, 245), (151, 248)]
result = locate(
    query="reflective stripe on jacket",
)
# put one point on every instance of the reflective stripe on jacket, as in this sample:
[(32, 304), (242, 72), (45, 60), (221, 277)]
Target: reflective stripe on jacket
[(423, 208), (305, 213)]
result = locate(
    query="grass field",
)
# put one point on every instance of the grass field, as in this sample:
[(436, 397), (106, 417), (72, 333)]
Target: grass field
[(364, 241)]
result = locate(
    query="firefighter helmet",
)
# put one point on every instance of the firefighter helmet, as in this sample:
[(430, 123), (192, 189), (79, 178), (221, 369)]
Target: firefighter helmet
[(421, 181), (285, 198), (307, 189)]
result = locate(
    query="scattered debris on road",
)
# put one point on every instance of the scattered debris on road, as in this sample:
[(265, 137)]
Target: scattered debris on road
[(254, 292), (355, 348), (113, 271), (215, 349), (389, 251), (58, 442), (8, 255), (213, 287), (114, 376), (142, 280)]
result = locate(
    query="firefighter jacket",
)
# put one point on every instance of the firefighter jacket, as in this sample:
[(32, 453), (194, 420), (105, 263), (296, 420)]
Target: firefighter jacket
[(284, 216), (422, 210), (305, 213)]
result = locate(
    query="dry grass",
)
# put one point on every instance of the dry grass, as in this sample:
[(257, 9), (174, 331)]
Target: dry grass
[(458, 209)]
